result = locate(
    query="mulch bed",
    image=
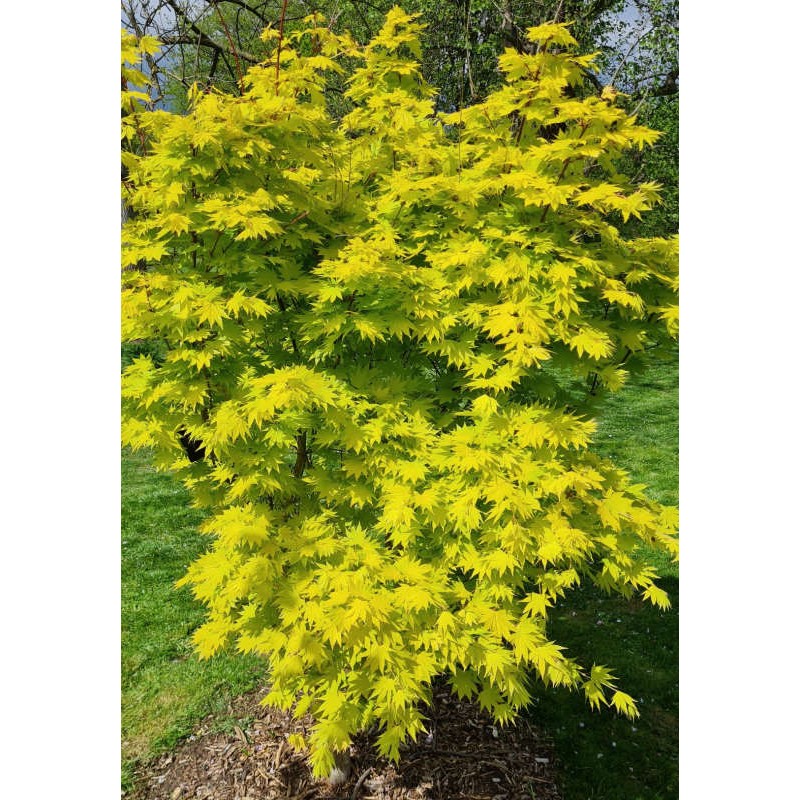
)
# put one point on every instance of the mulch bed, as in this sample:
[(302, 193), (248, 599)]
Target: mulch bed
[(464, 757)]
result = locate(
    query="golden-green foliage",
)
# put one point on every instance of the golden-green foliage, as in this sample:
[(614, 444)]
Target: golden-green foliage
[(369, 327)]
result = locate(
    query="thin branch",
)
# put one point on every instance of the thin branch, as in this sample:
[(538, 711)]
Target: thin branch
[(302, 456), (181, 80), (360, 782), (668, 87), (282, 307), (627, 55), (207, 41), (244, 6), (280, 44), (230, 42), (196, 56), (213, 69), (641, 102), (204, 38)]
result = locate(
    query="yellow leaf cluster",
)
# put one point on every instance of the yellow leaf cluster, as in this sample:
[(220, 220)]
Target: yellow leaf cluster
[(382, 338)]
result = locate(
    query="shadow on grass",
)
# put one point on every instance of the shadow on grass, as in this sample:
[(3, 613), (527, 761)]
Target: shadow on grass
[(603, 756)]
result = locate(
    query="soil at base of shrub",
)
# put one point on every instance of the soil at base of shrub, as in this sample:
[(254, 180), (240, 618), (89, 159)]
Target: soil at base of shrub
[(464, 756)]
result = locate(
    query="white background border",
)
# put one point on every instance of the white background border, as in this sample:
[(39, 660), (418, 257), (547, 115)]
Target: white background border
[(740, 219)]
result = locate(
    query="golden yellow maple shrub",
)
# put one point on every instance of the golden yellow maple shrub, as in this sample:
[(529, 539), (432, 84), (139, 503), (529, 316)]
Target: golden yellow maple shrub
[(385, 337)]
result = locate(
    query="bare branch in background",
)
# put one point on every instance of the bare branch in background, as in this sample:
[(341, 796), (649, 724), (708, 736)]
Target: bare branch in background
[(205, 39), (627, 55)]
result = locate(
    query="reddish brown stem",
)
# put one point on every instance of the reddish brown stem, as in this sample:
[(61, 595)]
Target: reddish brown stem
[(230, 42), (297, 218), (280, 44)]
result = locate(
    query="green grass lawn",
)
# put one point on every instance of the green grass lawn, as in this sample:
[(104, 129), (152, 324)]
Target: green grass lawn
[(603, 756), (166, 691), (638, 429)]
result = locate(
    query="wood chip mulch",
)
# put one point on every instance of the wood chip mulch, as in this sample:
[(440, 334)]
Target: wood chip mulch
[(464, 757)]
